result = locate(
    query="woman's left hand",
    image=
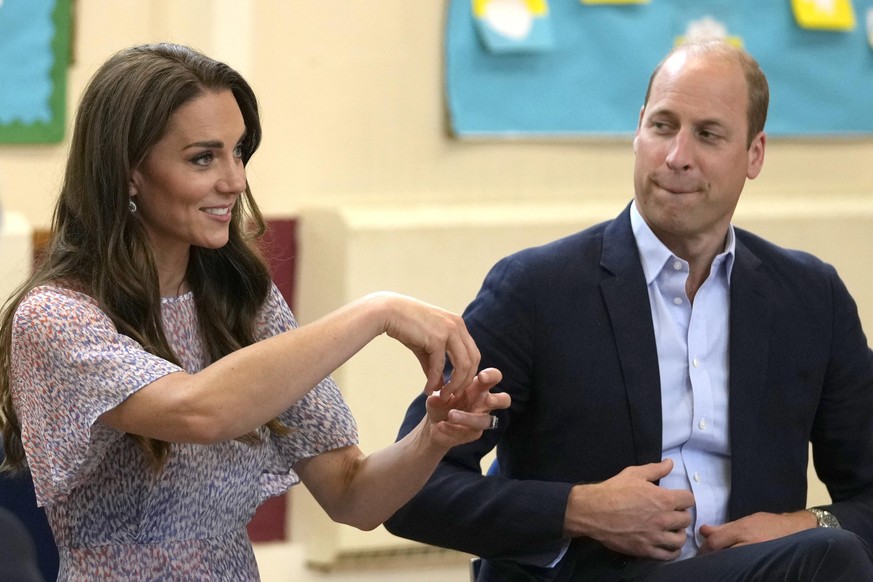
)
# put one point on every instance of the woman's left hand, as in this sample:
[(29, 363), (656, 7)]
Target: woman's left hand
[(462, 418)]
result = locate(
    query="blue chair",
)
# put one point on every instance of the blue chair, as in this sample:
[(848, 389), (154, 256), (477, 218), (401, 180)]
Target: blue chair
[(18, 499), (17, 551)]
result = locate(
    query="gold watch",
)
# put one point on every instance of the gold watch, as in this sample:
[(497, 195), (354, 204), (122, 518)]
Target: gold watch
[(825, 518)]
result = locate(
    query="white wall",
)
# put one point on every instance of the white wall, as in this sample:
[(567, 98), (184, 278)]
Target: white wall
[(16, 251)]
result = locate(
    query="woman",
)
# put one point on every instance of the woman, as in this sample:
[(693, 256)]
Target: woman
[(151, 373)]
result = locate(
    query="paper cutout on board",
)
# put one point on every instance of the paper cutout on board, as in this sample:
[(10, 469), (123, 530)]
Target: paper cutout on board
[(708, 28), (513, 26), (824, 14)]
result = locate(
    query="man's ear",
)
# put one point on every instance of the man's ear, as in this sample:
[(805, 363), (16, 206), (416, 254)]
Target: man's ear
[(756, 155), (639, 125)]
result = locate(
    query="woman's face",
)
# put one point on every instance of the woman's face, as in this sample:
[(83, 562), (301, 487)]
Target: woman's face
[(187, 185)]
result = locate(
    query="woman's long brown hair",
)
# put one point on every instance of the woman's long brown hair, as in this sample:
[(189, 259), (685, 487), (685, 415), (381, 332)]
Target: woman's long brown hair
[(99, 246)]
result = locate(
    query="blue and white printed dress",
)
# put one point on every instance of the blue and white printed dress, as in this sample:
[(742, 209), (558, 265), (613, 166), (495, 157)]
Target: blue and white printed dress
[(113, 517)]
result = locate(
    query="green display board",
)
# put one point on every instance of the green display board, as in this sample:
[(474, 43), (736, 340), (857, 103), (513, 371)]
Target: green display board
[(34, 54)]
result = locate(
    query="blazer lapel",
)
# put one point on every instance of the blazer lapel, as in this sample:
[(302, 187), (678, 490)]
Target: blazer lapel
[(627, 301), (749, 349)]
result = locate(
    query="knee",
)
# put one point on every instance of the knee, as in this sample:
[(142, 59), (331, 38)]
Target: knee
[(846, 544), (833, 539), (836, 548)]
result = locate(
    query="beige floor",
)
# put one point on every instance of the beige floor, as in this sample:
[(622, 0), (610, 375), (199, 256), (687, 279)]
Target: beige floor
[(285, 563)]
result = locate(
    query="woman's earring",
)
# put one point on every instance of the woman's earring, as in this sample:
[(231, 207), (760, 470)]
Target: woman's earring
[(131, 205)]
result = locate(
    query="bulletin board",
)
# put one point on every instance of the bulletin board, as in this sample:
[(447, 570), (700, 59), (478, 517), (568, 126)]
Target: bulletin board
[(34, 54), (584, 66)]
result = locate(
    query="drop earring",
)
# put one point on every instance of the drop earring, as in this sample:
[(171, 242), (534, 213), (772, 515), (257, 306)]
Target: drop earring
[(131, 205)]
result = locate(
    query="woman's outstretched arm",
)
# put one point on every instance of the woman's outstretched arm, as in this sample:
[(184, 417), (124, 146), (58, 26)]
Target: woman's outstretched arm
[(247, 388)]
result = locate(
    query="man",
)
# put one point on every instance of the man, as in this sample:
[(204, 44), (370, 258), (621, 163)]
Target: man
[(667, 372)]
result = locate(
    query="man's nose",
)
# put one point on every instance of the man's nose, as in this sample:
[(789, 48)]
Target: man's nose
[(681, 152)]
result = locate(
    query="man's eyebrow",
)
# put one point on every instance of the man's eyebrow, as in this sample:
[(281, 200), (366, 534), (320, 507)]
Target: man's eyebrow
[(669, 113), (661, 112)]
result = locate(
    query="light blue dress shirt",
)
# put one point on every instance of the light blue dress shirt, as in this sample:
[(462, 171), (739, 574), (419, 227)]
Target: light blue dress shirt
[(692, 344)]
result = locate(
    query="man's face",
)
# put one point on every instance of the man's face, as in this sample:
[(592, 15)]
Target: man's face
[(692, 158)]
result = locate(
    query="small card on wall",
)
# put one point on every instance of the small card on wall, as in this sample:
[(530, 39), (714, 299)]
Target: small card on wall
[(513, 26), (715, 19), (837, 15)]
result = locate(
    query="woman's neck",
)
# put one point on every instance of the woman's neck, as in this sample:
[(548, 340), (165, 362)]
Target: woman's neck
[(172, 272)]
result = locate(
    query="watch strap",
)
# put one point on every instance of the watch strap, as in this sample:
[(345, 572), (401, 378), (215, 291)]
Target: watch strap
[(825, 518)]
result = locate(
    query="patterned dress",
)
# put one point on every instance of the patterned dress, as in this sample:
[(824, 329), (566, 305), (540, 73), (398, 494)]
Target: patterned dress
[(113, 517)]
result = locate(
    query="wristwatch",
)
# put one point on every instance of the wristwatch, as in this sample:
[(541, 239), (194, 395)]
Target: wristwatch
[(825, 518)]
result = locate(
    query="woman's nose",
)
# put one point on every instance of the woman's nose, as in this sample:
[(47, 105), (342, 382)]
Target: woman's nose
[(234, 180)]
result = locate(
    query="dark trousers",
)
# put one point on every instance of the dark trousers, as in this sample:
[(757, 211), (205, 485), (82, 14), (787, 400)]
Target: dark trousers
[(815, 555)]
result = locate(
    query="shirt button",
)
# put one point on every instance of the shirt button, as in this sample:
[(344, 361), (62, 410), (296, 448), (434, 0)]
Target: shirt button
[(695, 362), (702, 424), (677, 265), (677, 300), (697, 477)]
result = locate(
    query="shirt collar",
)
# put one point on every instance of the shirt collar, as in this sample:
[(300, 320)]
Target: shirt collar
[(654, 254)]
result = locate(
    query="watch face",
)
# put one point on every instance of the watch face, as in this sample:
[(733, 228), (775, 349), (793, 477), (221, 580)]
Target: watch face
[(825, 518)]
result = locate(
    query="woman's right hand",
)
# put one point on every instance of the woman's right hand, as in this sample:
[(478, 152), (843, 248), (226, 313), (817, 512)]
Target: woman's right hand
[(431, 333)]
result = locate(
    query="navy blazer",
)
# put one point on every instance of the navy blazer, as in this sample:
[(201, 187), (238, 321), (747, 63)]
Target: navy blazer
[(570, 327)]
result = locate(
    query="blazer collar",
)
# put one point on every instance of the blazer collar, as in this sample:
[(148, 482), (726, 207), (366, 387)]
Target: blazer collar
[(626, 297), (750, 320)]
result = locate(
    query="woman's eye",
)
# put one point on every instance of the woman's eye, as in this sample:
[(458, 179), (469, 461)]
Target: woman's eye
[(203, 159)]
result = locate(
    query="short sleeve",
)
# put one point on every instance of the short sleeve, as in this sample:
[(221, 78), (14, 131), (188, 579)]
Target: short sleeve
[(70, 365), (320, 421)]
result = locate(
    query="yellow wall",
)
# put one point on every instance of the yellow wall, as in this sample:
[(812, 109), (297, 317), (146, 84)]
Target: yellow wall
[(353, 111)]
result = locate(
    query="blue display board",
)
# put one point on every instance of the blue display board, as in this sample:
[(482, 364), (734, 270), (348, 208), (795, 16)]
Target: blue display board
[(34, 52), (591, 78)]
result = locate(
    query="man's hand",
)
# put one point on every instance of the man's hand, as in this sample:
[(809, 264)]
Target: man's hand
[(628, 513), (758, 527)]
